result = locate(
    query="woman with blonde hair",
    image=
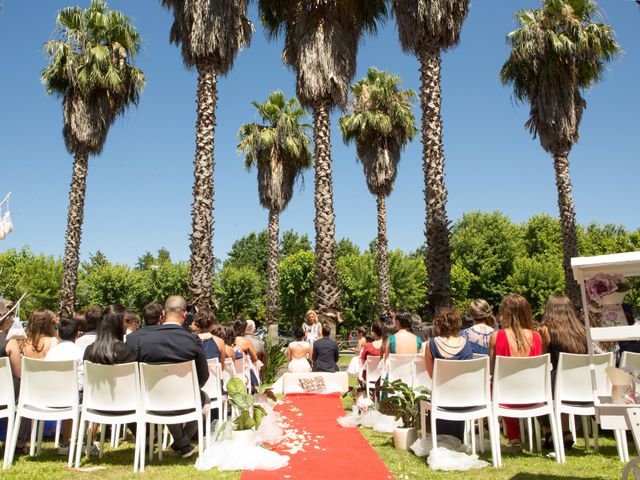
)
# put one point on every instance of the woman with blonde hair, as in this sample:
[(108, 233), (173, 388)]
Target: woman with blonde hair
[(483, 326), (517, 338), (313, 326)]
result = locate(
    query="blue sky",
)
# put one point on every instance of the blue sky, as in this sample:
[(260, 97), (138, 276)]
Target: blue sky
[(139, 189)]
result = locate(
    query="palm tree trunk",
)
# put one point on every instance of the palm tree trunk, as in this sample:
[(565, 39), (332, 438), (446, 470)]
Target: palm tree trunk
[(202, 206), (75, 217), (383, 257), (327, 294), (567, 223), (438, 252), (273, 291)]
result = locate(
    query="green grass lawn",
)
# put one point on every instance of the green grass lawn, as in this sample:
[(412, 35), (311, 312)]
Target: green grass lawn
[(403, 465)]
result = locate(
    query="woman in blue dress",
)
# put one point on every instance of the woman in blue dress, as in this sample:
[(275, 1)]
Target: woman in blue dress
[(483, 326), (447, 344)]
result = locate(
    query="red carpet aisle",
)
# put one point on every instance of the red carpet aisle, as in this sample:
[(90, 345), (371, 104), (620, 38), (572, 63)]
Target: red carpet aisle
[(319, 448)]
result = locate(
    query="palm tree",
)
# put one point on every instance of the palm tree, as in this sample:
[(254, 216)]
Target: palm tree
[(211, 33), (321, 40), (425, 28), (558, 51), (381, 124), (91, 69), (280, 151)]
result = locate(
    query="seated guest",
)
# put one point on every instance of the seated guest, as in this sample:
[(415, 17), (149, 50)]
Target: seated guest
[(131, 321), (374, 346), (91, 319), (225, 332), (483, 326), (516, 338), (242, 344), (109, 347), (171, 343), (202, 326), (152, 317), (5, 325), (298, 354), (403, 341), (447, 344), (258, 345), (561, 331), (68, 350), (325, 352)]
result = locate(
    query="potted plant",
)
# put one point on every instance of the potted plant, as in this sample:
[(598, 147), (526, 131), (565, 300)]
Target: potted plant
[(248, 414), (402, 402)]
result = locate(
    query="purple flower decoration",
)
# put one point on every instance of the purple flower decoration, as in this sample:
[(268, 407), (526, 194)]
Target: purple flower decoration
[(601, 285)]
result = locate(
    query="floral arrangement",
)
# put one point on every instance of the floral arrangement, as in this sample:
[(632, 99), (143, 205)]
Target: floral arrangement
[(363, 404), (602, 285)]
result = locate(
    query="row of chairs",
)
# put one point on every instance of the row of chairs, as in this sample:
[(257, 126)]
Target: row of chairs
[(521, 389), (132, 393)]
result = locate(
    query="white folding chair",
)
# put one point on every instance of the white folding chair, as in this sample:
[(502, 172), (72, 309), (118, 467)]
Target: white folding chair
[(7, 404), (401, 367), (213, 389), (574, 393), (630, 359), (522, 389), (460, 392), (372, 368), (48, 391), (111, 397), (167, 389)]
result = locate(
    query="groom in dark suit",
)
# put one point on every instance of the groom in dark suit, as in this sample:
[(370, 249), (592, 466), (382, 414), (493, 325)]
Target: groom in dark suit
[(325, 353), (170, 343)]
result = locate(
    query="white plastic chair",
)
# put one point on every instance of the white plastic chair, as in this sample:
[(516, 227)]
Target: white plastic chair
[(522, 389), (372, 368), (218, 401), (48, 391), (628, 359), (574, 393), (401, 367), (111, 397), (420, 376), (7, 404), (167, 389), (461, 393)]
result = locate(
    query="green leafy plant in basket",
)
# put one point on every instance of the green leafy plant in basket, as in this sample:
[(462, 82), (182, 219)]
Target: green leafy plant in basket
[(402, 401), (250, 415)]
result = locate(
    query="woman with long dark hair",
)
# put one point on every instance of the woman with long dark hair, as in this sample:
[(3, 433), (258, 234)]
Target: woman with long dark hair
[(109, 347), (561, 331)]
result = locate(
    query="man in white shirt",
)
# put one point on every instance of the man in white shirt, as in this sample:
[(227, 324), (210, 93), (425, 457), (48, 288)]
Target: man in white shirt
[(67, 349), (92, 318)]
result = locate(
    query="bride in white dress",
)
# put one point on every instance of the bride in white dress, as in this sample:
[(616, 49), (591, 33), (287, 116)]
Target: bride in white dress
[(298, 354)]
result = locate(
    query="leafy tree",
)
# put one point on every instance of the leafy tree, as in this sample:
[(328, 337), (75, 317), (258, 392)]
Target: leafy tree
[(426, 28), (320, 43), (37, 275), (600, 240), (486, 245), (292, 243), (536, 278), (239, 293), (381, 124), (296, 286), (542, 236), (359, 287), (148, 260), (408, 279), (557, 52), (210, 33), (252, 250), (112, 283), (346, 247), (279, 149), (91, 69)]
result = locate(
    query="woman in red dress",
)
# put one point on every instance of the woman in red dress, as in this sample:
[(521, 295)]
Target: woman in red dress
[(516, 338)]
